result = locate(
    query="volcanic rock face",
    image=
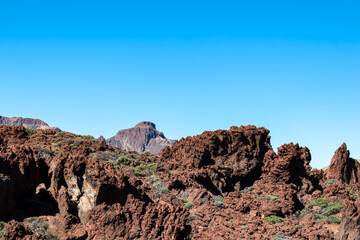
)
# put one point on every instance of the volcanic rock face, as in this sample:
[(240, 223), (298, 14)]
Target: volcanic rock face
[(53, 174), (219, 161), (26, 122), (142, 138), (344, 168), (226, 184)]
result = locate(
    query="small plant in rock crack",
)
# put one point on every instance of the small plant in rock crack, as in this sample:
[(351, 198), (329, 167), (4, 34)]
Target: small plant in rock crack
[(45, 152), (39, 226), (248, 189), (218, 201), (274, 219), (2, 228), (272, 198), (191, 218)]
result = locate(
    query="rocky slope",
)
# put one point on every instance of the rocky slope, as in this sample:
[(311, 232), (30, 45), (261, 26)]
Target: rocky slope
[(226, 184), (142, 138), (26, 122)]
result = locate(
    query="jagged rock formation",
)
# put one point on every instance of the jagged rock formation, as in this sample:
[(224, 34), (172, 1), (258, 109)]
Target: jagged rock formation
[(343, 168), (142, 138), (53, 174), (226, 184), (219, 161), (26, 122)]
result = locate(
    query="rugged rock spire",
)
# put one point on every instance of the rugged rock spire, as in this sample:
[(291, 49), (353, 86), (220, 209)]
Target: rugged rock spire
[(343, 167)]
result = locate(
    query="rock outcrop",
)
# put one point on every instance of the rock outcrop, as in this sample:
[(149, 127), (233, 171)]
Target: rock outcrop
[(142, 138), (226, 184), (54, 174), (343, 167), (220, 161)]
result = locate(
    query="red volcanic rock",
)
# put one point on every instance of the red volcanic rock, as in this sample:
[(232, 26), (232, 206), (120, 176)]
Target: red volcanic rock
[(48, 173), (217, 185), (290, 165), (142, 138), (219, 161), (350, 222), (343, 168)]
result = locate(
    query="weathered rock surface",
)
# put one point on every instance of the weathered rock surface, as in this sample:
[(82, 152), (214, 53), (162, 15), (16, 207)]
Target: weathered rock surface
[(226, 184), (142, 138), (53, 174), (343, 168)]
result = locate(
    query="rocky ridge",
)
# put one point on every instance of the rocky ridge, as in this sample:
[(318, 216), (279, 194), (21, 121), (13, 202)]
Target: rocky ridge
[(26, 122), (226, 184)]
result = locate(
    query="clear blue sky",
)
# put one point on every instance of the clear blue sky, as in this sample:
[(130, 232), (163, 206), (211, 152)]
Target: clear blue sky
[(94, 67)]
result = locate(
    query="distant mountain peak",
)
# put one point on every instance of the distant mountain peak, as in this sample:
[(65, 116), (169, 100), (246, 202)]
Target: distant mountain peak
[(26, 122), (142, 138)]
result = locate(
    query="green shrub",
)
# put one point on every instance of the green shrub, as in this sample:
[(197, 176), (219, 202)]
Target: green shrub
[(272, 198), (164, 190), (191, 218), (332, 181), (88, 137), (56, 144), (106, 156), (44, 152), (248, 189), (2, 228), (184, 200), (320, 202), (218, 201), (123, 160), (60, 134), (188, 205), (333, 219), (318, 217), (245, 227), (332, 208), (355, 195), (274, 219), (144, 169), (30, 131)]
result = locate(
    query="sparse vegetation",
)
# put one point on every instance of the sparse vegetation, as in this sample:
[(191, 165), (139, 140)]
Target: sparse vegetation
[(191, 218), (188, 205), (164, 190), (2, 228), (44, 152), (331, 181), (354, 195), (30, 131), (56, 144), (38, 226), (245, 227), (272, 198), (60, 134), (88, 137), (145, 169), (333, 219), (248, 189), (327, 211), (274, 219), (184, 200), (218, 201)]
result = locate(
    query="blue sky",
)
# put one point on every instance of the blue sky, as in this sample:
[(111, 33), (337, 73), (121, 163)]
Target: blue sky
[(94, 67)]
